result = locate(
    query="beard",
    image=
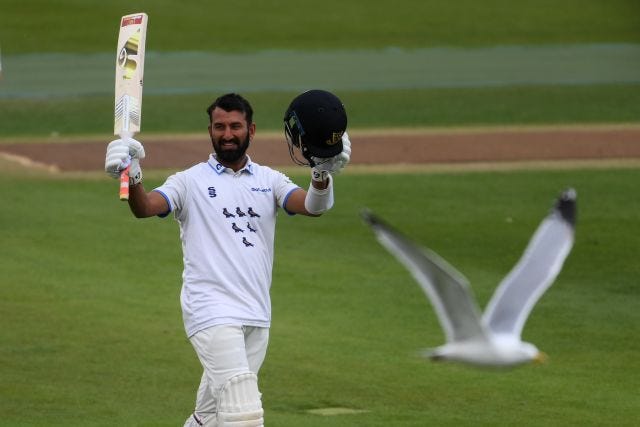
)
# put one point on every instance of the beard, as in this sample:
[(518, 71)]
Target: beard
[(231, 155)]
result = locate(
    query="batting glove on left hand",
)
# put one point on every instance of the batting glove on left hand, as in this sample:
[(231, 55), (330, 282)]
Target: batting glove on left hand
[(332, 165), (123, 153)]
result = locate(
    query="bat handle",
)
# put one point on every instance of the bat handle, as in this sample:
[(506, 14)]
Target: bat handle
[(124, 184)]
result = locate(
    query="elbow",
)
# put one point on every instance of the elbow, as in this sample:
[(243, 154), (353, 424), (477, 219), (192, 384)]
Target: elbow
[(316, 211), (139, 212)]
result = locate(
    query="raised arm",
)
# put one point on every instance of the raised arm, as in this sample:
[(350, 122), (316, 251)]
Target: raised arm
[(128, 152), (315, 201), (319, 197), (144, 204)]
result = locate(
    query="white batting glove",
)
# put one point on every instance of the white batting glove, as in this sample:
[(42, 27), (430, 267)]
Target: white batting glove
[(332, 165), (123, 153)]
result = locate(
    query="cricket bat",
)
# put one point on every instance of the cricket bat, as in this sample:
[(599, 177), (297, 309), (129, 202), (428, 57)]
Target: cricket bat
[(129, 73)]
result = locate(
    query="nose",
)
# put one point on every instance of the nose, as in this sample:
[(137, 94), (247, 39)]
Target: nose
[(227, 135)]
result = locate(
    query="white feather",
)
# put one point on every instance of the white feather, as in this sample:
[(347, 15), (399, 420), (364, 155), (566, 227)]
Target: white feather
[(493, 339)]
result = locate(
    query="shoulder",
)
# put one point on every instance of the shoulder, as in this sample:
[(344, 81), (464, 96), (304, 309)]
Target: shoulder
[(184, 176), (261, 170), (195, 170)]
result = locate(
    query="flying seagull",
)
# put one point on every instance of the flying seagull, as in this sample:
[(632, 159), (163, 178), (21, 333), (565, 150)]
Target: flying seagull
[(492, 339)]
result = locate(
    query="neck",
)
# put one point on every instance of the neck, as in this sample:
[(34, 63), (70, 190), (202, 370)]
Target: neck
[(235, 165)]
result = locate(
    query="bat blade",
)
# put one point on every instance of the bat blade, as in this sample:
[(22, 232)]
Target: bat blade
[(129, 81)]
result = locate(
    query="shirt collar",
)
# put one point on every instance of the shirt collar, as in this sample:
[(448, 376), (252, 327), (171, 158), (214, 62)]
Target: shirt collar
[(220, 169)]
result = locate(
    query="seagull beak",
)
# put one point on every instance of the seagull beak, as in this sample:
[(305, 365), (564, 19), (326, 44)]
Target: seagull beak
[(540, 358)]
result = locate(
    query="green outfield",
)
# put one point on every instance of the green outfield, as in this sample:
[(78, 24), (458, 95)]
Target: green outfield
[(331, 24), (89, 296), (93, 336), (414, 65), (540, 105)]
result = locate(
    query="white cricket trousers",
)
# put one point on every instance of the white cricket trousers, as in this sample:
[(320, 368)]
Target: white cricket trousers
[(225, 351)]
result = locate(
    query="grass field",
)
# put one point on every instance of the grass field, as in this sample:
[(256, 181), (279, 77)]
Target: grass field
[(89, 297), (399, 108), (359, 25), (92, 331), (331, 24)]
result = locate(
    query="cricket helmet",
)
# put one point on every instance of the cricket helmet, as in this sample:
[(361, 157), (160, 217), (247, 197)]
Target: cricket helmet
[(314, 123)]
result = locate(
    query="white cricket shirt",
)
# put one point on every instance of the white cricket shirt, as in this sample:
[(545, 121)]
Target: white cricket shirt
[(227, 226)]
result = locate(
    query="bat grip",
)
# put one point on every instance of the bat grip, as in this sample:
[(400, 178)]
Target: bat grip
[(124, 184)]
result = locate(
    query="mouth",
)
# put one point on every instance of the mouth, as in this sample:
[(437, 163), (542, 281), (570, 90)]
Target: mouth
[(229, 145)]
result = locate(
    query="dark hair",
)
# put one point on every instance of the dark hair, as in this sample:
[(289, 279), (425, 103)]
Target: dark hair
[(232, 102)]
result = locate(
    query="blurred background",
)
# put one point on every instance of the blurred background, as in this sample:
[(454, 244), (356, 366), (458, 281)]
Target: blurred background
[(412, 64)]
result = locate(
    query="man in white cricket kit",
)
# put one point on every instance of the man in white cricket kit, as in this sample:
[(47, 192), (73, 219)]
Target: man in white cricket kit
[(226, 208)]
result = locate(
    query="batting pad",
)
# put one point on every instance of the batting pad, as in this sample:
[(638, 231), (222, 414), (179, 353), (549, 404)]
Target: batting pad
[(239, 402)]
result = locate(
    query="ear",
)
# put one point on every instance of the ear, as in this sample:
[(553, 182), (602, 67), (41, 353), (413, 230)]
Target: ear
[(252, 130), (210, 130)]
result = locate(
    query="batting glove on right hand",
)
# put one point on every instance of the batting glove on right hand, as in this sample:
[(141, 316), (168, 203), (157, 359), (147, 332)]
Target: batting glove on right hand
[(335, 164), (123, 153)]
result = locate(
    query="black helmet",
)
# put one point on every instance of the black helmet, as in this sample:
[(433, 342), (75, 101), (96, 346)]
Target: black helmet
[(314, 123)]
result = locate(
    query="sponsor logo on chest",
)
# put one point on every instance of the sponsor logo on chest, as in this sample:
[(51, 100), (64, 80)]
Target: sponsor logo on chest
[(261, 190)]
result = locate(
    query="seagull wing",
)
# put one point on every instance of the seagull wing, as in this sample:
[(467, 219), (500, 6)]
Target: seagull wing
[(445, 287), (536, 270)]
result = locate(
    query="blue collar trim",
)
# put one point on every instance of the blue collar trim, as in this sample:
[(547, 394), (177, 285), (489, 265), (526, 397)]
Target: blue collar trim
[(220, 169)]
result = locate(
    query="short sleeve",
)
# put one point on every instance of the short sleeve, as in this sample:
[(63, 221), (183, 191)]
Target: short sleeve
[(174, 190), (283, 186)]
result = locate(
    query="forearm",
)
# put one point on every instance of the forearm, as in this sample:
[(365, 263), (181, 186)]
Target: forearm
[(143, 204), (319, 197)]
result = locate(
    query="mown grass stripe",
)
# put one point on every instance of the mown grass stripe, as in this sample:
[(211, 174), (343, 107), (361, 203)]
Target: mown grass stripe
[(177, 73)]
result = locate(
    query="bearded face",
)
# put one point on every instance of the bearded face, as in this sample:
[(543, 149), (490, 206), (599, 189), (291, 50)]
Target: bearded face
[(230, 135), (231, 149)]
